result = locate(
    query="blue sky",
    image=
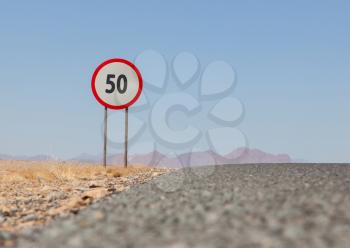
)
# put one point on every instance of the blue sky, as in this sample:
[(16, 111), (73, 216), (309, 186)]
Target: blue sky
[(291, 58)]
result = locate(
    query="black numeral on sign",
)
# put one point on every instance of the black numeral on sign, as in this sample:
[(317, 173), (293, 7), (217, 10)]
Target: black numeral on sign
[(111, 83), (125, 82), (121, 86)]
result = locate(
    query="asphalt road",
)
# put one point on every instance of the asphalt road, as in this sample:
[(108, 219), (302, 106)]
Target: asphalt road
[(224, 206)]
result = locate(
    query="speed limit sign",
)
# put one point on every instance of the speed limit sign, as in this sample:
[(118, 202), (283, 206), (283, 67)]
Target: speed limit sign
[(116, 84)]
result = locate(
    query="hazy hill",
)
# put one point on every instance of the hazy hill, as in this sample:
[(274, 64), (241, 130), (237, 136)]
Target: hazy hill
[(239, 156)]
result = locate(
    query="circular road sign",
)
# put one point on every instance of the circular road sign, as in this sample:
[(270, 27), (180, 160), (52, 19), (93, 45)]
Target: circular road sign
[(116, 83)]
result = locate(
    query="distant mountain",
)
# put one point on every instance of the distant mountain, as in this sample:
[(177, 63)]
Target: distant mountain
[(5, 157), (86, 158), (239, 156), (29, 158), (244, 156)]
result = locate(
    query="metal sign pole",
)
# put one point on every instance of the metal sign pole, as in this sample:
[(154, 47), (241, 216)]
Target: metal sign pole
[(126, 137), (105, 139), (110, 80)]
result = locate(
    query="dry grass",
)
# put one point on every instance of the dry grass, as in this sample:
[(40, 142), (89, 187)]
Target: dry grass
[(19, 171)]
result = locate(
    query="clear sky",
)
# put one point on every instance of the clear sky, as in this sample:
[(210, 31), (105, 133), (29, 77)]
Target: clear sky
[(291, 58)]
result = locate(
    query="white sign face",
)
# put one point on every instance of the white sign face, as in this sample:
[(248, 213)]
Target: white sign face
[(117, 84)]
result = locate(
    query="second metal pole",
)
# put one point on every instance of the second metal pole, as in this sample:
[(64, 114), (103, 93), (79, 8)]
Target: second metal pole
[(126, 137), (105, 139)]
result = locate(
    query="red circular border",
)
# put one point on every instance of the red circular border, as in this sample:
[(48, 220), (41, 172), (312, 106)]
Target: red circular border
[(116, 60)]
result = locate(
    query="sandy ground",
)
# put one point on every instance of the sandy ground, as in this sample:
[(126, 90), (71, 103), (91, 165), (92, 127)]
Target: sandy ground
[(34, 193)]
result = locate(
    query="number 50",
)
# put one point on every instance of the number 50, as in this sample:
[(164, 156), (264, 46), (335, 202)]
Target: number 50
[(119, 87)]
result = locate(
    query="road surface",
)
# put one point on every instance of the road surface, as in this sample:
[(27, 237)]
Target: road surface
[(285, 205)]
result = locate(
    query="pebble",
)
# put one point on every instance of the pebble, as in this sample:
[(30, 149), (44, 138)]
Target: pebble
[(2, 218), (30, 217), (6, 236)]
